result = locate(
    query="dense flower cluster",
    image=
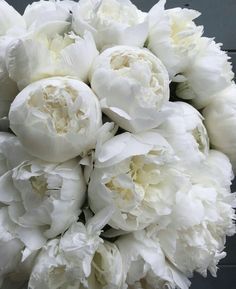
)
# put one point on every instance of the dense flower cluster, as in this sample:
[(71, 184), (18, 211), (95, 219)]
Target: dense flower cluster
[(106, 180)]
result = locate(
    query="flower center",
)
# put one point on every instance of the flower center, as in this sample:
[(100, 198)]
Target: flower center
[(39, 185), (141, 69), (59, 104)]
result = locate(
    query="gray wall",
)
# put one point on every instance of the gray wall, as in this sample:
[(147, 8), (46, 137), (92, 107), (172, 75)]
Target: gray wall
[(219, 19)]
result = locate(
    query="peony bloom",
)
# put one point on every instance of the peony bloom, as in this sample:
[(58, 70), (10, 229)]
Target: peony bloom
[(50, 52), (9, 18), (42, 199), (112, 22), (185, 132), (67, 261), (137, 174), (220, 121), (132, 85), (201, 219), (56, 119), (208, 73), (173, 36), (104, 268), (43, 12), (146, 265)]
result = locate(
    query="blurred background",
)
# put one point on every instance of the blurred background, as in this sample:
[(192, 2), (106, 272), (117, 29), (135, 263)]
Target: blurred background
[(219, 20)]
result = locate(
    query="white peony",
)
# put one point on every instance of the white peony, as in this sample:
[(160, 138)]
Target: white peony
[(43, 199), (56, 119), (66, 263), (112, 22), (173, 36), (10, 246), (132, 85), (146, 264), (208, 73), (9, 18), (201, 218), (185, 132), (138, 175), (44, 12), (8, 89), (50, 52), (220, 121), (107, 268)]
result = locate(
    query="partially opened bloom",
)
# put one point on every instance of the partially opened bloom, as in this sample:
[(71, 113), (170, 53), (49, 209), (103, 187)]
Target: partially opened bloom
[(138, 175), (201, 218), (146, 265), (132, 85), (50, 52), (220, 121), (208, 73), (185, 132), (107, 268), (56, 119), (173, 36), (43, 199), (112, 22), (67, 261)]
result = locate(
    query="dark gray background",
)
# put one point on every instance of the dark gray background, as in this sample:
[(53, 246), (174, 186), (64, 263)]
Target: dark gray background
[(219, 19)]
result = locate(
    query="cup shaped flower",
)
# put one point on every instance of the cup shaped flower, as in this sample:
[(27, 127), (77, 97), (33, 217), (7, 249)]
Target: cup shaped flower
[(208, 73), (146, 265), (112, 22), (104, 274), (9, 18), (137, 174), (220, 121), (52, 51), (67, 261), (132, 85), (43, 199), (56, 119), (185, 132), (173, 36)]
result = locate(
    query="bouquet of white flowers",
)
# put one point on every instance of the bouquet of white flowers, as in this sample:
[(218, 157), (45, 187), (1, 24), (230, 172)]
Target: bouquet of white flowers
[(109, 179)]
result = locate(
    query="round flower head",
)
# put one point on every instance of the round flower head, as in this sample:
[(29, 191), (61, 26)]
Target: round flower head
[(137, 175), (208, 73), (112, 22), (67, 261), (185, 132), (132, 85), (51, 51), (43, 199), (173, 36), (56, 119)]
